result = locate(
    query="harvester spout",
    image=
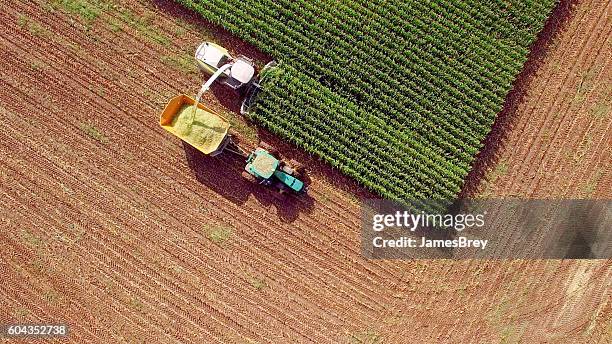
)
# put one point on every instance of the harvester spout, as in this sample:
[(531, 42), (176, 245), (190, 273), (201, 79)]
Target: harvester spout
[(206, 86), (212, 79)]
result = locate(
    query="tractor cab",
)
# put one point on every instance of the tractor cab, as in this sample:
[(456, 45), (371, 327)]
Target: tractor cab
[(211, 57), (265, 168)]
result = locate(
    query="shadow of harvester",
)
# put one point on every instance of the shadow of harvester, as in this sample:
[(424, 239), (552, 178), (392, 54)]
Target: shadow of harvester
[(222, 174)]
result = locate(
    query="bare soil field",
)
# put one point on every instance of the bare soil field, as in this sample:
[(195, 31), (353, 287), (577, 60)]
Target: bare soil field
[(113, 226)]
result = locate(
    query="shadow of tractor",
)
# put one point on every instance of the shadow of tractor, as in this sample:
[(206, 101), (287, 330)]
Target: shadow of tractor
[(222, 174)]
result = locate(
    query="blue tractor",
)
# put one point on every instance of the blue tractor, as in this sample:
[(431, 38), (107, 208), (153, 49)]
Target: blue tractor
[(265, 166)]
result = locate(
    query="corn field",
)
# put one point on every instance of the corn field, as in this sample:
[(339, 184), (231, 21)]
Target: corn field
[(397, 94)]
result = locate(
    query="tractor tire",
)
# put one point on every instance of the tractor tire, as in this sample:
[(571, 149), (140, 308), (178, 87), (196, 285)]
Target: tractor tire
[(249, 177), (269, 148)]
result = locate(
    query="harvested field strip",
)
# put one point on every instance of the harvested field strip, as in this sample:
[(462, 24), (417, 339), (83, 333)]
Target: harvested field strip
[(602, 39), (111, 67), (124, 191), (102, 214), (107, 214), (563, 92)]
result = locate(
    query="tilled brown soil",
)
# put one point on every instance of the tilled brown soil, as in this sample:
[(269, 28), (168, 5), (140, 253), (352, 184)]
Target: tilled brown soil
[(117, 235)]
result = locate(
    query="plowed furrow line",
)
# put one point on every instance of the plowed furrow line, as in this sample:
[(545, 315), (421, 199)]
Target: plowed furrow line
[(601, 164), (597, 170), (43, 154), (124, 279), (599, 128)]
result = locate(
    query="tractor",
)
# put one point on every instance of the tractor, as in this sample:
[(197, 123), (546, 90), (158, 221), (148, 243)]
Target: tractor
[(265, 166)]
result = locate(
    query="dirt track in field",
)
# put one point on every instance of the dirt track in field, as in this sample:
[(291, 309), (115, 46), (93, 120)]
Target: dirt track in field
[(113, 235)]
